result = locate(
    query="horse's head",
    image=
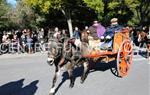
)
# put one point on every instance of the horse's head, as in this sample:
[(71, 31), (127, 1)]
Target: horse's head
[(142, 36), (54, 52)]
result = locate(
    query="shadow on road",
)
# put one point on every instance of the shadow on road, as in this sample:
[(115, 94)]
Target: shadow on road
[(16, 88), (97, 66), (102, 66), (112, 66)]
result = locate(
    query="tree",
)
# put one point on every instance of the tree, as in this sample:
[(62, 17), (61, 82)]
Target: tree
[(23, 16), (97, 5), (4, 19), (66, 7), (121, 10), (128, 11), (143, 12)]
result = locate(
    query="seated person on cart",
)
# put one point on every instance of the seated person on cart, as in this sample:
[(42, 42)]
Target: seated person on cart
[(95, 33), (107, 38)]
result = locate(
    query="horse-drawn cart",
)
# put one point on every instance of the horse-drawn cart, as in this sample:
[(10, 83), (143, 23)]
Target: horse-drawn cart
[(121, 52)]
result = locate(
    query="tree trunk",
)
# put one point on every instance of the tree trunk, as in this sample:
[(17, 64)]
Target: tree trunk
[(69, 22)]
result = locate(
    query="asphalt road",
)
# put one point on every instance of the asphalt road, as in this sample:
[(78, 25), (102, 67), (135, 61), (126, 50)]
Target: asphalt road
[(31, 75)]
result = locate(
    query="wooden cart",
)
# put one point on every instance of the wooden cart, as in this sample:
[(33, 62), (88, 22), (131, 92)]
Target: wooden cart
[(122, 52)]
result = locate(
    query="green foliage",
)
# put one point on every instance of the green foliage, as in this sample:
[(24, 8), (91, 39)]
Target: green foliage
[(4, 17), (113, 5), (128, 11), (22, 16), (97, 5), (45, 5), (32, 13)]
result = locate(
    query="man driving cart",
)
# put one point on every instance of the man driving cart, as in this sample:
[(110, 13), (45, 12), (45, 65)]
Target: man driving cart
[(107, 38)]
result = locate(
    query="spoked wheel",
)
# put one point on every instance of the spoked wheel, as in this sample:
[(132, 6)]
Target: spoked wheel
[(124, 58), (115, 71)]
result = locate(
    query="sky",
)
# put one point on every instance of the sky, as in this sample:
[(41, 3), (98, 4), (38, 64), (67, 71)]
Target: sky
[(12, 2)]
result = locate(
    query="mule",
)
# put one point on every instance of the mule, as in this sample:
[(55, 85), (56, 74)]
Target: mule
[(56, 56), (67, 53)]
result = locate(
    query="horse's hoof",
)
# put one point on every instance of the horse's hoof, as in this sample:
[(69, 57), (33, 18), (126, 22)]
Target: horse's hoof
[(71, 85), (82, 81)]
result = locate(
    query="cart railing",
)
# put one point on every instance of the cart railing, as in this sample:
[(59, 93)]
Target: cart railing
[(119, 37)]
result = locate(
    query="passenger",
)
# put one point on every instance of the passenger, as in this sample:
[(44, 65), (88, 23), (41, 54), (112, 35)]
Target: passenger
[(96, 30), (95, 33), (109, 34)]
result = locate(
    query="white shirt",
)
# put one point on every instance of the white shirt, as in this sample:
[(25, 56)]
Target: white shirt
[(55, 34)]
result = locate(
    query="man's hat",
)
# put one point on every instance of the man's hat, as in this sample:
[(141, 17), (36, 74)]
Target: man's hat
[(114, 21)]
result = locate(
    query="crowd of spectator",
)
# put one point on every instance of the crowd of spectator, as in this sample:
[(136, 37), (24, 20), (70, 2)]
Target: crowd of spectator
[(24, 41)]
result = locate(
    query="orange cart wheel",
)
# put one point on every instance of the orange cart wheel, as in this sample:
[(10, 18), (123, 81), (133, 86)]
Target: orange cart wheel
[(124, 58)]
